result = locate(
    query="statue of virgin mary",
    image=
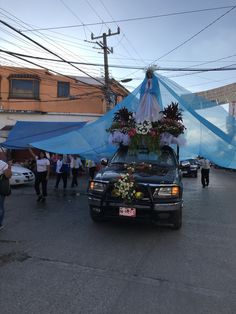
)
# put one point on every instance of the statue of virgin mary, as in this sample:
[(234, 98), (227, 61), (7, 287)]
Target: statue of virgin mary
[(149, 108)]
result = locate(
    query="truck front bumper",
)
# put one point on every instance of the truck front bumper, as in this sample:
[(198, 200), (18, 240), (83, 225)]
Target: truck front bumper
[(151, 210)]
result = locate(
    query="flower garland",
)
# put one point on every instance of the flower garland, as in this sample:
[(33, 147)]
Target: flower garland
[(125, 187), (126, 131)]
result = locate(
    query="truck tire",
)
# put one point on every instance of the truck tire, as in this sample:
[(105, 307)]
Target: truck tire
[(176, 220), (96, 217)]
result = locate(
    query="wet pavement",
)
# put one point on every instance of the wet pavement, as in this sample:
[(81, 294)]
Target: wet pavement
[(54, 259)]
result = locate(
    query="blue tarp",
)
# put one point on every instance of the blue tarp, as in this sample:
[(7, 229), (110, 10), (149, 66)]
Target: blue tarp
[(91, 141), (210, 130), (26, 132)]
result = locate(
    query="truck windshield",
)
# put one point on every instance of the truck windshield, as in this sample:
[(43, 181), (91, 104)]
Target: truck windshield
[(164, 157)]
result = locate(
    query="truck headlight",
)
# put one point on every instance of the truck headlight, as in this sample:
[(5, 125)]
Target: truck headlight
[(98, 187), (170, 191)]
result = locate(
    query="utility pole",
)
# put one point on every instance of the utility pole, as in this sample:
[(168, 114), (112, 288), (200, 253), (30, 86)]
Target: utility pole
[(106, 51)]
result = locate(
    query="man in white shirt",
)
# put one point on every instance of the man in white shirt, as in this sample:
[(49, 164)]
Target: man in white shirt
[(5, 169), (61, 172), (205, 170), (75, 165)]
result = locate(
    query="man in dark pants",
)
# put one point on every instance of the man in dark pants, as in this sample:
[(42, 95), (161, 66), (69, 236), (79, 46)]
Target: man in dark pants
[(61, 172), (75, 165), (42, 174), (205, 170), (91, 168)]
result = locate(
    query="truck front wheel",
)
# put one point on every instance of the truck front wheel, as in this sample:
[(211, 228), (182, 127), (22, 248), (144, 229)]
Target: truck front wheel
[(95, 215), (176, 219)]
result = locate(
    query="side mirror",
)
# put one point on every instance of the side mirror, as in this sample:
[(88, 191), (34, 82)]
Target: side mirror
[(104, 162)]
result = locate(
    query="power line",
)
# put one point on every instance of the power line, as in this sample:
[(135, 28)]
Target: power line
[(225, 68), (212, 61), (206, 62), (74, 14), (51, 40), (124, 36), (48, 50), (193, 36), (50, 81), (54, 71), (130, 19)]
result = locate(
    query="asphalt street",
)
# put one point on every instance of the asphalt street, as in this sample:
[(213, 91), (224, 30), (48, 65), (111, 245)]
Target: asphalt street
[(54, 259)]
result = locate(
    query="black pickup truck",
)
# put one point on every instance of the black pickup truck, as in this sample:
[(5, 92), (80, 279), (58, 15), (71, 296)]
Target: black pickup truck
[(158, 187)]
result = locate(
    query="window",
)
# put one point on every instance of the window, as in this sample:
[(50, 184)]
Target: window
[(24, 86), (63, 89)]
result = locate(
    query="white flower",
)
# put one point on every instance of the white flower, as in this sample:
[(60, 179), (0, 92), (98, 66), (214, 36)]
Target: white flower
[(143, 127)]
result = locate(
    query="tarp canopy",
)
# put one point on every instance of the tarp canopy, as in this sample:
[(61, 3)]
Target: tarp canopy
[(25, 132), (210, 130)]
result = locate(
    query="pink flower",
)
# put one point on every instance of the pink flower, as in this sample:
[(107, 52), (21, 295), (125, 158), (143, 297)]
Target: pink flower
[(132, 132)]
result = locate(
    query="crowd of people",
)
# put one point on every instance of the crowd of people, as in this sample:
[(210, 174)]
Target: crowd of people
[(56, 166), (61, 167)]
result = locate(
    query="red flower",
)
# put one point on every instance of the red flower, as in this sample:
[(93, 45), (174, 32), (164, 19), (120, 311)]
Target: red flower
[(132, 132), (153, 133)]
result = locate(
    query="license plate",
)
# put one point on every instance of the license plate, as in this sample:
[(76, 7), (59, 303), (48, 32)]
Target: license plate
[(128, 212), (184, 172)]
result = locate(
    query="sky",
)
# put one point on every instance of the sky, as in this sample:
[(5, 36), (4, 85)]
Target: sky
[(151, 33)]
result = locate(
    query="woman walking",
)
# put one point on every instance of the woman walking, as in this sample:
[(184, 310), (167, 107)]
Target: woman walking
[(42, 175)]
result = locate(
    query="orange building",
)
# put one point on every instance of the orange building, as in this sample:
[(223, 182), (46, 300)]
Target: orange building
[(38, 95), (39, 91)]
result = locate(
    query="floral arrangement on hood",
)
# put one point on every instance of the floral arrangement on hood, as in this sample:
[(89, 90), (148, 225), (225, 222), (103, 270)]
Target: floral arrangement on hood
[(125, 187)]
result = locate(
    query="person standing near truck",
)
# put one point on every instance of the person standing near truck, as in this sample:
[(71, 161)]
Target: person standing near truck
[(205, 171)]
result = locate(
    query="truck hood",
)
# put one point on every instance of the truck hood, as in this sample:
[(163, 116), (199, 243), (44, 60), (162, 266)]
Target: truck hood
[(155, 175)]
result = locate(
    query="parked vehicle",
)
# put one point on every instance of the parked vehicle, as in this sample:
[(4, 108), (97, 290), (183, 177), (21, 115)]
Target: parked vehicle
[(156, 194), (189, 167), (21, 175)]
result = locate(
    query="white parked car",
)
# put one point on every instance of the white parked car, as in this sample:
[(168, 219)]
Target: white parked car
[(21, 175)]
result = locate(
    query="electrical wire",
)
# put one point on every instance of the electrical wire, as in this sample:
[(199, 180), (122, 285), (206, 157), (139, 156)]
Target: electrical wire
[(48, 50), (53, 71), (74, 14), (124, 36), (130, 19), (196, 34), (225, 68)]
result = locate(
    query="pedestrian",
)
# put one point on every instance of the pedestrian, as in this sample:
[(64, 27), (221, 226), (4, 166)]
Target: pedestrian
[(41, 175), (75, 165), (91, 168), (5, 169), (61, 172), (205, 171), (53, 162)]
